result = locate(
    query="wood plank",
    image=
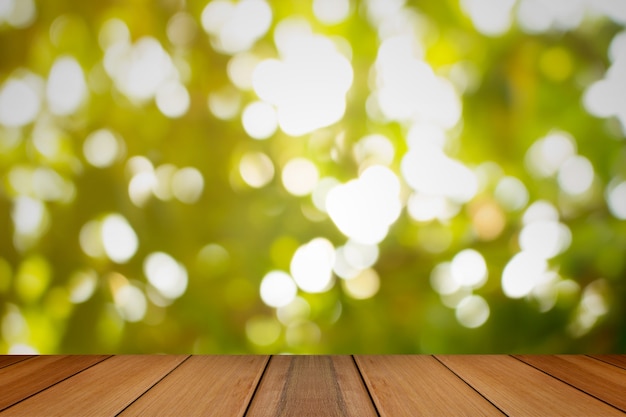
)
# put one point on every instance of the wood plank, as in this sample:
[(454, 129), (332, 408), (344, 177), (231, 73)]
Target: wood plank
[(519, 389), (203, 385), (6, 360), (409, 385), (311, 386), (104, 389), (617, 360), (28, 377), (600, 379)]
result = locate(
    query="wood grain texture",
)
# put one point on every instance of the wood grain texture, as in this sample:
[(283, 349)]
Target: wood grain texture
[(617, 360), (313, 386), (600, 379), (407, 385), (7, 360), (105, 389), (28, 377), (519, 389), (203, 386)]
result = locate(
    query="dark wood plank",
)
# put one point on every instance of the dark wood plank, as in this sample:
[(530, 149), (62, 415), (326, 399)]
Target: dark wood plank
[(6, 360), (104, 389), (203, 386), (311, 386), (28, 377), (600, 379), (410, 385), (617, 360), (519, 389)]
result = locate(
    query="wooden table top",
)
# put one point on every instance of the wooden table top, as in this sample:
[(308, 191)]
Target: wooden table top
[(360, 385)]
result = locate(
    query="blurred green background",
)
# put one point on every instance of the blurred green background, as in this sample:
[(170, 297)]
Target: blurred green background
[(312, 176)]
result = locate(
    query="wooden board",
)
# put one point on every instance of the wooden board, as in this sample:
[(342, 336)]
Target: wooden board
[(617, 360), (104, 389), (27, 377), (405, 385), (213, 385), (11, 359), (600, 379), (521, 390), (311, 386), (364, 385)]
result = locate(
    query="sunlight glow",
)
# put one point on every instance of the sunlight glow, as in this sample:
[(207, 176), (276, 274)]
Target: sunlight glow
[(363, 209), (172, 99), (130, 302), (308, 84), (429, 170), (66, 88), (547, 154), (469, 269), (536, 16), (607, 97), (522, 273), (278, 289), (235, 27), (511, 193), (408, 89), (374, 149), (118, 238), (19, 102), (312, 265), (331, 12), (187, 185), (102, 148), (259, 120), (364, 285), (256, 169), (490, 17), (167, 275), (300, 176), (472, 311), (545, 239), (616, 199), (576, 175)]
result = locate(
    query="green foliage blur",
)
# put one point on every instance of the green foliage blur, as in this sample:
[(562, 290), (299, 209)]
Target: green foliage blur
[(138, 213)]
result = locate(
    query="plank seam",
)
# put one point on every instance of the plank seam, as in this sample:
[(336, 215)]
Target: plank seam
[(607, 362), (153, 385), (469, 385), (367, 388), (258, 384), (13, 363), (567, 383), (52, 385)]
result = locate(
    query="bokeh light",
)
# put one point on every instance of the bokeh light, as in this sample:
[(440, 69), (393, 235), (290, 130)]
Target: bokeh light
[(312, 176)]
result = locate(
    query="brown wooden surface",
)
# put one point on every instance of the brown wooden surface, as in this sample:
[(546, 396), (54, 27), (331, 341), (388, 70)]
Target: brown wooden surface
[(11, 359), (433, 389), (617, 360), (521, 390), (214, 385), (600, 379), (25, 378), (105, 389), (363, 385), (311, 386)]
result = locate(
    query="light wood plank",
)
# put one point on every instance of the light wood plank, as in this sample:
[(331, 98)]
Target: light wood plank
[(6, 360), (313, 386), (28, 377), (104, 389), (409, 385), (600, 379), (203, 385), (617, 360), (521, 390)]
